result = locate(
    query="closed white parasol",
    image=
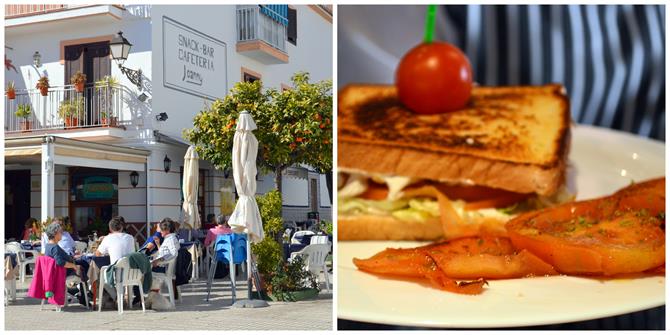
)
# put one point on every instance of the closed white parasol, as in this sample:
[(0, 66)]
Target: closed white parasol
[(190, 189)]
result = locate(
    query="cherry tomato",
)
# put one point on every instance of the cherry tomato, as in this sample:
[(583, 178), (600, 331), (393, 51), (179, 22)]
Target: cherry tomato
[(434, 78)]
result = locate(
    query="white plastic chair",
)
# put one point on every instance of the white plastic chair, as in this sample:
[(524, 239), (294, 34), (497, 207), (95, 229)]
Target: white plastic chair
[(315, 259), (73, 281), (80, 246), (21, 258), (70, 281), (319, 239), (167, 277), (295, 239), (124, 277)]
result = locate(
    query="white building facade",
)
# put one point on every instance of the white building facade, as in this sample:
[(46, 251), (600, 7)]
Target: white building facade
[(117, 148)]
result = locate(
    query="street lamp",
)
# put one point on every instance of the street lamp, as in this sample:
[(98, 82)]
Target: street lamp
[(166, 164), (120, 48), (37, 59), (134, 178)]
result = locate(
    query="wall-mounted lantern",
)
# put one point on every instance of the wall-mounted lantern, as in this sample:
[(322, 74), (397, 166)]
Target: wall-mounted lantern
[(37, 59), (120, 48), (134, 178), (166, 164)]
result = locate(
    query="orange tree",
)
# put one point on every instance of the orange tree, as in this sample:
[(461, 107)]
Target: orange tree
[(294, 125)]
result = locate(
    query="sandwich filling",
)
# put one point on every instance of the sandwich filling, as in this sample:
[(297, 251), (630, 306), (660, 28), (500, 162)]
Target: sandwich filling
[(410, 199)]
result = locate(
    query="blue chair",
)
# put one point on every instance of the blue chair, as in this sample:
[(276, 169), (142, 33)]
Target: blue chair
[(231, 249)]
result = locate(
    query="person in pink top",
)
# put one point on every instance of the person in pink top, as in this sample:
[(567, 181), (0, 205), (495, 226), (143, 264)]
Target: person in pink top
[(221, 228)]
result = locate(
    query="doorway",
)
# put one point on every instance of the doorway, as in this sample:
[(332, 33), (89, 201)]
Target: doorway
[(17, 202), (93, 199), (92, 59)]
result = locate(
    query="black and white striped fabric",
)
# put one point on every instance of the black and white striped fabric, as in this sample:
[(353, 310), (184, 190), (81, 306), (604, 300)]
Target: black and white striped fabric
[(610, 58)]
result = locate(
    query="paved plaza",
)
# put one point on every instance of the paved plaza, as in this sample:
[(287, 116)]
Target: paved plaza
[(193, 312)]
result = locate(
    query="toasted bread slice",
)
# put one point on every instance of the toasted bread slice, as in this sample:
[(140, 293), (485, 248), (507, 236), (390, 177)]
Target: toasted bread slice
[(513, 138)]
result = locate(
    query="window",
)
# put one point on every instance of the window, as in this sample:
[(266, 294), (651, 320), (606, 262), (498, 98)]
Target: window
[(250, 77), (292, 31)]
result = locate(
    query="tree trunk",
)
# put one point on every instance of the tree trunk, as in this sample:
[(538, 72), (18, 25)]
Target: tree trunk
[(278, 179), (329, 184)]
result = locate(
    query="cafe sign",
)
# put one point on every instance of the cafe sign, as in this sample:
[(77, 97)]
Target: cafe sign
[(97, 188), (193, 62)]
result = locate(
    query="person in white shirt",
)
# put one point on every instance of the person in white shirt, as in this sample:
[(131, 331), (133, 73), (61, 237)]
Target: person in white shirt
[(167, 250), (117, 244)]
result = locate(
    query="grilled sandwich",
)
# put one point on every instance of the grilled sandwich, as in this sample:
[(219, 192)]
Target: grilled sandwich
[(404, 176)]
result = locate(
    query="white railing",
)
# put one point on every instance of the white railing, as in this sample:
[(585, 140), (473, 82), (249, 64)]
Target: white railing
[(65, 108), (252, 25), (12, 11)]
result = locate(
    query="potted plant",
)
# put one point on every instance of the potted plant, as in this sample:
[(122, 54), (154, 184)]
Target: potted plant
[(104, 89), (268, 252), (43, 85), (292, 282), (71, 111), (23, 111), (78, 80), (107, 120), (11, 91), (106, 81)]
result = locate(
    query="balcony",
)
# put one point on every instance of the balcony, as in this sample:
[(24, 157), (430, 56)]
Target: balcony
[(22, 15), (102, 111), (259, 36)]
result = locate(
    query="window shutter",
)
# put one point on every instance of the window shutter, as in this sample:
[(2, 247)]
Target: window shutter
[(292, 30)]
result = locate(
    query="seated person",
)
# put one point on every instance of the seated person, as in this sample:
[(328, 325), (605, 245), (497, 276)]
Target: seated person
[(67, 226), (149, 247), (67, 242), (211, 222), (28, 230), (54, 233), (117, 244), (221, 228), (168, 248), (45, 239)]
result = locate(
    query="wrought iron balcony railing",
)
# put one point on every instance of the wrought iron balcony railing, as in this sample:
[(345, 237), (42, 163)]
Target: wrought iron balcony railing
[(66, 108)]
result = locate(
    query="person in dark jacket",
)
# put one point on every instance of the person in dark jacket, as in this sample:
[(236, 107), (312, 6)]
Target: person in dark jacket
[(54, 234)]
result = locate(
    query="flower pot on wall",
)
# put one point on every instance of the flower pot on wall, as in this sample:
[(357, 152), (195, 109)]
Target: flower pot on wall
[(11, 95), (79, 87), (26, 125), (44, 91), (110, 122), (71, 122)]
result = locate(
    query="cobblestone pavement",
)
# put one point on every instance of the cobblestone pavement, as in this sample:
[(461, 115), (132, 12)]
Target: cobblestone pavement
[(193, 312)]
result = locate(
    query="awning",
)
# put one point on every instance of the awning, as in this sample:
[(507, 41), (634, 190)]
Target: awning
[(77, 153), (278, 13)]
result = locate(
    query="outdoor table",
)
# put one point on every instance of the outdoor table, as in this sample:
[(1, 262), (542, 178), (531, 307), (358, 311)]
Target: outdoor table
[(195, 248), (11, 272), (12, 259), (29, 246), (93, 272)]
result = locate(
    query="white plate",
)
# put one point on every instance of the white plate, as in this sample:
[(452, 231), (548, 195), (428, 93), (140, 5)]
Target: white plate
[(602, 161)]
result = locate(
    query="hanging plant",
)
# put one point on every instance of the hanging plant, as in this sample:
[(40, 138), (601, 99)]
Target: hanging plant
[(78, 80), (11, 91), (43, 85)]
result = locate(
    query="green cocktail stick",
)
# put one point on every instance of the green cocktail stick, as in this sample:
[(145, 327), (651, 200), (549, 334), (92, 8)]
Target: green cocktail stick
[(430, 24)]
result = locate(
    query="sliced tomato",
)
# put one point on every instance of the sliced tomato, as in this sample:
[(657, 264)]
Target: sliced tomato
[(498, 202), (472, 259), (375, 192), (474, 193), (619, 234), (476, 197)]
